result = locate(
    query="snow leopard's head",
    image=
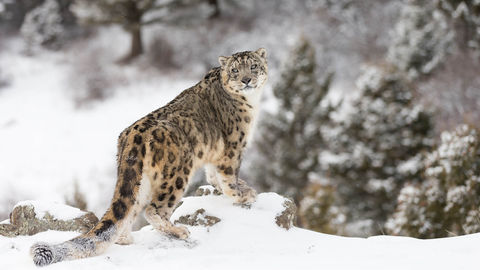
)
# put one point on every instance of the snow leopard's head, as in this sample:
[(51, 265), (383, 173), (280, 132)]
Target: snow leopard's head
[(244, 71)]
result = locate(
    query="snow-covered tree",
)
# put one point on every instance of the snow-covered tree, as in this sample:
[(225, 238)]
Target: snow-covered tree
[(378, 145), (448, 202), (132, 15), (466, 17), (421, 38), (42, 26), (12, 13), (319, 209), (290, 139)]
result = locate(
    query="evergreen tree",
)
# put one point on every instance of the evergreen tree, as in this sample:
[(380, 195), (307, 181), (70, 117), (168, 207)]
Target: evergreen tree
[(12, 13), (43, 26), (377, 146), (448, 202), (421, 38), (465, 15), (319, 210), (290, 139)]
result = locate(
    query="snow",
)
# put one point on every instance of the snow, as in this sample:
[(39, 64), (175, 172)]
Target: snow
[(249, 239), (411, 166), (455, 197), (48, 144), (207, 187), (462, 10), (55, 209), (327, 157), (265, 208), (420, 40), (42, 25)]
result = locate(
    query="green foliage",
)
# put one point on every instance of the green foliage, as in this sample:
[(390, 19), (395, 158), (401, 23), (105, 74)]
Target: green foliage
[(318, 210), (378, 145), (42, 26), (465, 15), (448, 202), (290, 139), (421, 38)]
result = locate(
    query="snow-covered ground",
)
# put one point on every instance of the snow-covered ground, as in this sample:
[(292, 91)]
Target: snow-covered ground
[(47, 144), (250, 239)]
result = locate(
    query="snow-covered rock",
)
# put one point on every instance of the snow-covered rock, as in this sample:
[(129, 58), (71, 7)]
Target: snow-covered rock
[(206, 190), (211, 208), (198, 218), (32, 217), (250, 239)]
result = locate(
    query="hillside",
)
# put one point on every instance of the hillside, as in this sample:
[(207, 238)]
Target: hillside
[(250, 239)]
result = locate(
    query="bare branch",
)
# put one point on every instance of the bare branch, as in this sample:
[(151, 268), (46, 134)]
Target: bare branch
[(155, 20)]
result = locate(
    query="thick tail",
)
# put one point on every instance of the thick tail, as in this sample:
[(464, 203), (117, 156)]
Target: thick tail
[(116, 220), (89, 244)]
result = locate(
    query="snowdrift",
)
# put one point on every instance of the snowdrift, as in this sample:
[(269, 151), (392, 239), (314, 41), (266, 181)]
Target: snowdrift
[(228, 236)]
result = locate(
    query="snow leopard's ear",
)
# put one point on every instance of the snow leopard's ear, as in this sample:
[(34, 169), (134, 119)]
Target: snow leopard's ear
[(223, 60), (262, 52)]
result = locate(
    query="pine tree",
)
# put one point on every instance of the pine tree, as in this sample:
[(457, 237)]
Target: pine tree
[(377, 146), (42, 26), (12, 13), (421, 38), (447, 203), (290, 139), (319, 209), (465, 15)]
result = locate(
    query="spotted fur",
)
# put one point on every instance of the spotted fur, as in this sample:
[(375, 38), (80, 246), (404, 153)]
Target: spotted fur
[(206, 125)]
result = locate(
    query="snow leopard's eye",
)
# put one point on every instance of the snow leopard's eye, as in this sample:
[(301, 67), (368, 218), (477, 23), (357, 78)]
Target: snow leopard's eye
[(234, 70), (254, 66)]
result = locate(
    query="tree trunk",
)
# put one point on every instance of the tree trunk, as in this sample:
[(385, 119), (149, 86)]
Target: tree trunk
[(136, 48), (134, 27), (216, 12), (136, 45)]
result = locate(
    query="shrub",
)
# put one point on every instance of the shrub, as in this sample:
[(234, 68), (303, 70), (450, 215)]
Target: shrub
[(448, 202)]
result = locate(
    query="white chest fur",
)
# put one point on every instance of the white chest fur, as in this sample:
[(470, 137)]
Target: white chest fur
[(253, 98)]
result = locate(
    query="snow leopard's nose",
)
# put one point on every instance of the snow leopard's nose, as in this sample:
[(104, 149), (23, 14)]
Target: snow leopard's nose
[(246, 80)]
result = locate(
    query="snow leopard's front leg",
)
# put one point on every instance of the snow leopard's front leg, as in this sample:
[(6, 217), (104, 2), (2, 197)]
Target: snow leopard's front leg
[(212, 177), (232, 186)]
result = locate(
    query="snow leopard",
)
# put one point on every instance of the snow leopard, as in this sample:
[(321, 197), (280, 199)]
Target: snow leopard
[(207, 125)]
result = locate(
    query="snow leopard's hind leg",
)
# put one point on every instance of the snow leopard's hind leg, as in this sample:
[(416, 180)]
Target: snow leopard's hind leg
[(158, 212)]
